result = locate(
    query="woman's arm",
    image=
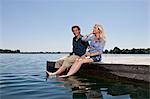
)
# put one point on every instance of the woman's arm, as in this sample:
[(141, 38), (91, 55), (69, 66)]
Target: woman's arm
[(88, 37), (92, 54), (98, 52)]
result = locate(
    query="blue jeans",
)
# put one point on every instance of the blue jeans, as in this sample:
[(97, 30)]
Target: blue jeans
[(96, 58)]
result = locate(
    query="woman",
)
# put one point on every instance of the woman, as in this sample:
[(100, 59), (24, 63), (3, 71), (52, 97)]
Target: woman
[(97, 42)]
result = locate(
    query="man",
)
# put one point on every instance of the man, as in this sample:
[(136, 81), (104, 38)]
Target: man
[(79, 49)]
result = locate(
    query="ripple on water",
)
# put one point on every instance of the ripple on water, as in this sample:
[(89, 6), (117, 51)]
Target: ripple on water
[(25, 86), (23, 77)]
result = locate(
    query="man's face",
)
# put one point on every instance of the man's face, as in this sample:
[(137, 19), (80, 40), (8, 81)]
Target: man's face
[(76, 32)]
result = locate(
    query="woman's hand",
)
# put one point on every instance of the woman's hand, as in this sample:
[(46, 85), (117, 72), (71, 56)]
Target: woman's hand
[(89, 33), (86, 37)]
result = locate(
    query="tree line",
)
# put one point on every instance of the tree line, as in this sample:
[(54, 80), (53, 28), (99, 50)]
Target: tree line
[(115, 50), (9, 51)]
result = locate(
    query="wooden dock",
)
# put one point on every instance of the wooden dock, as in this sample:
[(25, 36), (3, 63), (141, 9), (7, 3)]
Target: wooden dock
[(125, 72)]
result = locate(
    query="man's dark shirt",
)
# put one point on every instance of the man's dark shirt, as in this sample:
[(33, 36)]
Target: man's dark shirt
[(79, 46)]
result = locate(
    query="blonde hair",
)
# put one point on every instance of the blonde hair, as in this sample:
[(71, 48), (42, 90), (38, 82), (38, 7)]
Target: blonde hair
[(102, 33)]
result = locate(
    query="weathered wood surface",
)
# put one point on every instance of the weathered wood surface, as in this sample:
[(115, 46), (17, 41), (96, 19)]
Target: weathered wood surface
[(134, 72)]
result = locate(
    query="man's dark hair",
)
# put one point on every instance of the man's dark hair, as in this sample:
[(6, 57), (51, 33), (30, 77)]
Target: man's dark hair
[(75, 27)]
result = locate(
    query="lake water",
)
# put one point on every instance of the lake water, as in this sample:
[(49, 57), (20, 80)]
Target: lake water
[(22, 76)]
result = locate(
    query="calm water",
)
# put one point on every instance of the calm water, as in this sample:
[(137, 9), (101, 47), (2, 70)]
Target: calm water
[(22, 76)]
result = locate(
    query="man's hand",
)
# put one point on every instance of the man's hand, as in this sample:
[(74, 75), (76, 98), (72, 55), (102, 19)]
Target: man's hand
[(87, 54), (83, 56), (71, 53)]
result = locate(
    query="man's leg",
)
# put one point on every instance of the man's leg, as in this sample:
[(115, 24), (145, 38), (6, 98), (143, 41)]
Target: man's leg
[(66, 63), (76, 66), (58, 65), (60, 61), (70, 61)]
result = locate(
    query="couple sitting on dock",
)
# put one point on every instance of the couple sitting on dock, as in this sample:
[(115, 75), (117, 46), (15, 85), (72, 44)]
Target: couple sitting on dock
[(94, 41)]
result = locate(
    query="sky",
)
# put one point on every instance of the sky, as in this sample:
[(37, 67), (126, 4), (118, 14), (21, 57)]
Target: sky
[(45, 25)]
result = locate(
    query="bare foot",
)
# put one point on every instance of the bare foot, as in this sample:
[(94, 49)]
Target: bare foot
[(50, 74)]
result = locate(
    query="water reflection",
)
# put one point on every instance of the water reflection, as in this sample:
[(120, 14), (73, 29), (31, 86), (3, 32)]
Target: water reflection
[(80, 90), (85, 89), (105, 95)]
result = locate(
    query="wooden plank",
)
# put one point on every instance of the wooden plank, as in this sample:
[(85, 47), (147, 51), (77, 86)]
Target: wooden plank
[(112, 71)]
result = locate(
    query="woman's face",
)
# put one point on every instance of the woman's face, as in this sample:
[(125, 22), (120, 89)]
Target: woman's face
[(96, 30)]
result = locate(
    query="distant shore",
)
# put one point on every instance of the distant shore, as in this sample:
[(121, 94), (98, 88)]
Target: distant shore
[(115, 50)]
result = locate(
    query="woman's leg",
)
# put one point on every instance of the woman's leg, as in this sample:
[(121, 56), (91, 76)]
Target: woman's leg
[(76, 66)]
